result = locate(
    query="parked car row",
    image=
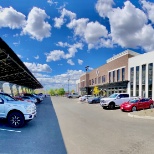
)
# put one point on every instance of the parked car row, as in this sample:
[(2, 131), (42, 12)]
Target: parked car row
[(19, 110), (121, 100)]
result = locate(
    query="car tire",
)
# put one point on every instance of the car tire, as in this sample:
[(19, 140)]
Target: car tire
[(134, 108), (16, 119), (151, 106), (111, 106)]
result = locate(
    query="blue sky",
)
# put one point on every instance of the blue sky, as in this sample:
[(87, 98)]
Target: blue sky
[(56, 39)]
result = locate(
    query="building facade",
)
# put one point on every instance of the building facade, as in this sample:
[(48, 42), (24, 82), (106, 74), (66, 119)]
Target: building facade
[(141, 75), (109, 78)]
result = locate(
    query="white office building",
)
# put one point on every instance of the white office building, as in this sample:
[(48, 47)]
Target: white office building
[(141, 75)]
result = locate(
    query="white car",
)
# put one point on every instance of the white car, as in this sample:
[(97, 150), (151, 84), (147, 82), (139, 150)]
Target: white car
[(16, 112), (114, 100), (83, 98)]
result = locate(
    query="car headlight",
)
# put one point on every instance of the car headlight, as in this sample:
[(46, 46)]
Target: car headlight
[(28, 109)]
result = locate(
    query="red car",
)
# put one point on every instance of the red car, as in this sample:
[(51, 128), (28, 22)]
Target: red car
[(137, 104)]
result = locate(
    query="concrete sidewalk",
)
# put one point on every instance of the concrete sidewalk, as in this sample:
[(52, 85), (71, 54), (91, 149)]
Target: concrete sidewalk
[(144, 114)]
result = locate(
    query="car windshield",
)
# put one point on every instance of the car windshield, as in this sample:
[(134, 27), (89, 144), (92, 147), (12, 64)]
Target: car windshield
[(7, 97), (134, 100), (113, 96)]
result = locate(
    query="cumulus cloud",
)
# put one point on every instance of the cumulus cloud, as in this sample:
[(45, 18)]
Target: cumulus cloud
[(37, 57), (61, 44), (149, 7), (69, 61), (80, 62), (16, 43), (73, 49), (129, 25), (94, 31), (36, 26), (55, 55), (20, 56), (78, 26), (62, 19), (9, 17), (51, 2), (61, 81), (104, 7), (35, 68)]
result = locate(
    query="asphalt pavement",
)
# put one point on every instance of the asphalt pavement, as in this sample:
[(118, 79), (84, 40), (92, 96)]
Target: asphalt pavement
[(42, 135)]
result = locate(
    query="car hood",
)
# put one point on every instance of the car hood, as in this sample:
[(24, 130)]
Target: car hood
[(108, 99), (19, 103)]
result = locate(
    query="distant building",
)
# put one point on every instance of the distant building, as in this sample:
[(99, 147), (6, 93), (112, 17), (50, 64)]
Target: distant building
[(141, 75), (111, 77)]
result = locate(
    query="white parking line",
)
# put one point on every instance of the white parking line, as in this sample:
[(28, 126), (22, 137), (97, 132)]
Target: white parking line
[(9, 130)]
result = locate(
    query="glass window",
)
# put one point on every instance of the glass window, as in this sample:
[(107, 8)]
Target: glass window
[(150, 79), (118, 75), (137, 80), (131, 80), (95, 80), (123, 74), (113, 76), (109, 77)]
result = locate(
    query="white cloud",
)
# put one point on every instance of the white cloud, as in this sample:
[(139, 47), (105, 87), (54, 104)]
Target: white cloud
[(39, 75), (54, 55), (69, 61), (149, 7), (78, 26), (73, 49), (104, 7), (123, 30), (94, 31), (20, 56), (37, 57), (16, 43), (9, 17), (33, 67), (61, 44), (61, 81), (80, 62), (51, 2), (64, 13), (36, 26)]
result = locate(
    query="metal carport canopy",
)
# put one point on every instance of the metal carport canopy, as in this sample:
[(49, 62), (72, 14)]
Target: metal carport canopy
[(13, 70)]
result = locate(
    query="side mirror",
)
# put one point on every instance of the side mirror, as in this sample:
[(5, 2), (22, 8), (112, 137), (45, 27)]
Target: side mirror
[(118, 97), (1, 101)]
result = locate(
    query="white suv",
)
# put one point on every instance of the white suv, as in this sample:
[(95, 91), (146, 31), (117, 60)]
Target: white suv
[(115, 99), (16, 112)]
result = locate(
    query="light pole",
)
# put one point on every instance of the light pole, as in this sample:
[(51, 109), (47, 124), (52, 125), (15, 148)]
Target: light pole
[(68, 85), (86, 80)]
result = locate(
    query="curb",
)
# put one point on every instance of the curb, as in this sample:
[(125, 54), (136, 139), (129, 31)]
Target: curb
[(141, 117)]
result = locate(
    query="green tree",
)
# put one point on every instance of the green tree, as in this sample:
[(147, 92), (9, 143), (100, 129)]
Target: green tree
[(96, 90), (52, 92), (61, 91), (72, 91)]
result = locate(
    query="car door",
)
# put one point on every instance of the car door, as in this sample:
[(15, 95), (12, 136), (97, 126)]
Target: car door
[(141, 104), (146, 103), (2, 107)]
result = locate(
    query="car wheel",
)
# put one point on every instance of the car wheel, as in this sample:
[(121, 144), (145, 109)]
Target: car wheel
[(111, 106), (151, 106), (134, 108), (92, 102), (16, 119)]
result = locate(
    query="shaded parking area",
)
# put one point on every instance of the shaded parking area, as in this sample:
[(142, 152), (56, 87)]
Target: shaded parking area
[(40, 136)]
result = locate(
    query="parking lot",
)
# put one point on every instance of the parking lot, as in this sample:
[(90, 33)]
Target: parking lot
[(89, 129), (42, 135), (69, 126)]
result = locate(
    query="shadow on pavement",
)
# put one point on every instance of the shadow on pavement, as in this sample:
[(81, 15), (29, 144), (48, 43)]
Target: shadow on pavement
[(42, 135)]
